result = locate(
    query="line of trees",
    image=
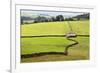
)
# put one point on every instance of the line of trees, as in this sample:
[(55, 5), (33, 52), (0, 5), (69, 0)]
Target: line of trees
[(52, 19), (44, 19)]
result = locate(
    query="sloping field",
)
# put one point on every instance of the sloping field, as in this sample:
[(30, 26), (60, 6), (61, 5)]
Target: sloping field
[(54, 44), (77, 52), (55, 28)]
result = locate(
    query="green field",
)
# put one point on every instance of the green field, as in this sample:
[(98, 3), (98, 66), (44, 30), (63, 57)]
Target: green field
[(53, 28), (54, 44)]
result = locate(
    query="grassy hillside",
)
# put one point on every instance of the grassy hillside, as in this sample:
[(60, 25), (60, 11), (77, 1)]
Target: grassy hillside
[(77, 52), (55, 44), (53, 28), (48, 44)]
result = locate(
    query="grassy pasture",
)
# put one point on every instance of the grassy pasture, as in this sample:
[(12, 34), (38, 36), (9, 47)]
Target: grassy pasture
[(56, 44), (48, 44), (77, 52), (55, 28)]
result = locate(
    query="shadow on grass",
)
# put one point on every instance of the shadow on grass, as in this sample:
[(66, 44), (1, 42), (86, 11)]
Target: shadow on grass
[(42, 54)]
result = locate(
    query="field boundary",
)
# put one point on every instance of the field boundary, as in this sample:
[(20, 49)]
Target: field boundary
[(51, 36)]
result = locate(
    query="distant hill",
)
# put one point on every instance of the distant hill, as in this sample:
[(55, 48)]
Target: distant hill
[(83, 16), (26, 18)]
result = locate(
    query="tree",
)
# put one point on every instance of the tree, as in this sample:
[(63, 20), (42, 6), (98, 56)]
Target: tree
[(41, 19), (60, 18), (69, 19)]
